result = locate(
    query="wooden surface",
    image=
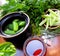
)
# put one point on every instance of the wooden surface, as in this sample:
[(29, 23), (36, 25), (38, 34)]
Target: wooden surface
[(53, 50)]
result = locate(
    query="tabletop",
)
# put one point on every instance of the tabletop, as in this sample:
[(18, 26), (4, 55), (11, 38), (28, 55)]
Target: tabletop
[(52, 50)]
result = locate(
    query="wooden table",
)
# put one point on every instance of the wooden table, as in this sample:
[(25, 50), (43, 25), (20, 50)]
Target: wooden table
[(53, 50)]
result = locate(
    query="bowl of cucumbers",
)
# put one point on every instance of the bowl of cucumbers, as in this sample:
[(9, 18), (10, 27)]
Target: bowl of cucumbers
[(14, 24)]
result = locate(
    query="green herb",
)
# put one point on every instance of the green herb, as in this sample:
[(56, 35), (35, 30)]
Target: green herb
[(7, 49), (34, 8)]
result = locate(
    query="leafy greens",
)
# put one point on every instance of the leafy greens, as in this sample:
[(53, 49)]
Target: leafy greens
[(7, 49), (34, 8)]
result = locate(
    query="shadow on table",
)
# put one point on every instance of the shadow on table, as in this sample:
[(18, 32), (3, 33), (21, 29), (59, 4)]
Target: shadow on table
[(19, 40)]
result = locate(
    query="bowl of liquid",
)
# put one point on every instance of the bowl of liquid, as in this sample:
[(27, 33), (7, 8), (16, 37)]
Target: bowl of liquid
[(34, 47)]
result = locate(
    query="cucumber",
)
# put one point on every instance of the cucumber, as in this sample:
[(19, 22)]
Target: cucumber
[(10, 26), (16, 20), (22, 23), (15, 26), (20, 29), (10, 32)]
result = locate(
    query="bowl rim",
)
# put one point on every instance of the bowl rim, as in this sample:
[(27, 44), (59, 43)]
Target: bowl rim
[(26, 26)]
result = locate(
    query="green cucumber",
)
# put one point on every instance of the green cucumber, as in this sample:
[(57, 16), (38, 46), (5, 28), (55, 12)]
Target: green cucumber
[(22, 23), (20, 29), (15, 26), (16, 20), (10, 26), (10, 32)]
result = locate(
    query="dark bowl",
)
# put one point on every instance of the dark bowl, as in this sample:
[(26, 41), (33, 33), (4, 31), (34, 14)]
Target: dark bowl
[(10, 17)]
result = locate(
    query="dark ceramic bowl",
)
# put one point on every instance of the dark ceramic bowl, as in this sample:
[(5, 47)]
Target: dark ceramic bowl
[(10, 17)]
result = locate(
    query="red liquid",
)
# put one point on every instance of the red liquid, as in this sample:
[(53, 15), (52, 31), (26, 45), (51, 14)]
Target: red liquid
[(37, 52)]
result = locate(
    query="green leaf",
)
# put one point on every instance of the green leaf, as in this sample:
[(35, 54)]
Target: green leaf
[(33, 8)]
